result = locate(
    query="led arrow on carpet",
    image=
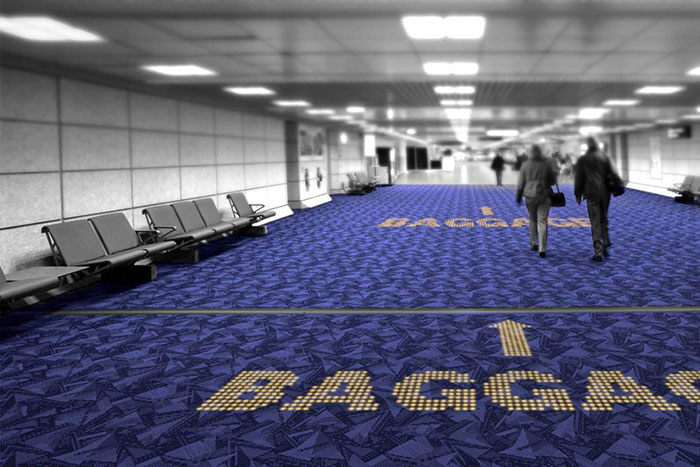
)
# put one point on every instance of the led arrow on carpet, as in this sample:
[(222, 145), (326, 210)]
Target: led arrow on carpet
[(513, 338)]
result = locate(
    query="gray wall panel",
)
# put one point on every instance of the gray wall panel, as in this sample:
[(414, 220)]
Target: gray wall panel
[(156, 186), (86, 148), (28, 96), (153, 113), (154, 149), (29, 198), (89, 104), (197, 150), (198, 181), (196, 118), (87, 193), (28, 147)]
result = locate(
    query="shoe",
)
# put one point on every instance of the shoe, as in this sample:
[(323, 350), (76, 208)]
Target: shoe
[(534, 247), (598, 259), (542, 254), (605, 253)]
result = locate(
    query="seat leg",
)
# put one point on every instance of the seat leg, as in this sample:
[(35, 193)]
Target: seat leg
[(253, 231), (183, 255), (134, 273)]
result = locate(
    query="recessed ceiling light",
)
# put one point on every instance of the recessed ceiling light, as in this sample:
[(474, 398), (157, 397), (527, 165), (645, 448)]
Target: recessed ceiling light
[(450, 27), (455, 68), (340, 117), (179, 70), (455, 89), (356, 109), (502, 133), (45, 29), (592, 113), (343, 138), (292, 103), (694, 72), (390, 114), (250, 90), (661, 90), (320, 111), (411, 131), (621, 102), (456, 102)]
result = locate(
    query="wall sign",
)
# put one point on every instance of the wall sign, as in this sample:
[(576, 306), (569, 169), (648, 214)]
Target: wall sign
[(655, 153)]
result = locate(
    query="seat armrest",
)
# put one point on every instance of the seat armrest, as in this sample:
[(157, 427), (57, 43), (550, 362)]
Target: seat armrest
[(168, 229), (259, 208), (148, 235)]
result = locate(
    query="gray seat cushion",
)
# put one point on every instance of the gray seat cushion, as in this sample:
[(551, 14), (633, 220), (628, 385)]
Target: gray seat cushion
[(189, 216), (122, 258), (164, 216), (240, 202), (116, 232), (77, 242), (14, 290), (208, 211)]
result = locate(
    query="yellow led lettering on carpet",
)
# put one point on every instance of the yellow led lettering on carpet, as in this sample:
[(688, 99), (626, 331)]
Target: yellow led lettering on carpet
[(513, 338), (407, 392), (683, 384), (498, 387), (600, 391), (358, 393), (229, 397)]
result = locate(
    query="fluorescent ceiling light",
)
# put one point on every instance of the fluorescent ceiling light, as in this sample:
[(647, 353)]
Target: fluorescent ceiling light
[(643, 126), (589, 130), (341, 117), (667, 121), (502, 133), (691, 117), (320, 111), (455, 68), (250, 91), (455, 89), (453, 102), (621, 102), (592, 113), (355, 109), (662, 90), (450, 27), (292, 103), (343, 138), (179, 70), (390, 114), (44, 29), (411, 131), (694, 72)]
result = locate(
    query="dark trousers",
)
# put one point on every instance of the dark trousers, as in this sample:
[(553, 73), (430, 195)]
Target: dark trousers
[(499, 177), (598, 214)]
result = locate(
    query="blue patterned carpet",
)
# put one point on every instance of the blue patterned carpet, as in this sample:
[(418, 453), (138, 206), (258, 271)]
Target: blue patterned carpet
[(124, 389), (336, 256)]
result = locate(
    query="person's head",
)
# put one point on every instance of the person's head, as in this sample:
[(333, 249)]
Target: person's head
[(592, 144), (536, 152)]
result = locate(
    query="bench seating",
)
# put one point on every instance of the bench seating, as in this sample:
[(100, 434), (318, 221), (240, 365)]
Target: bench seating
[(688, 190), (367, 184), (165, 220), (14, 290), (213, 219), (242, 209), (103, 242), (354, 185)]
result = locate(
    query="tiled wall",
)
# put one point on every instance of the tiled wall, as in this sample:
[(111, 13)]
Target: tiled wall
[(679, 157), (71, 149), (344, 159)]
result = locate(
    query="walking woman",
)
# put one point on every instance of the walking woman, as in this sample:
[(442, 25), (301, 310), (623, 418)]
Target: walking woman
[(536, 180)]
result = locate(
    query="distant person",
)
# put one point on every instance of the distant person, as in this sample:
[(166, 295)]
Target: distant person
[(536, 180), (595, 181), (497, 165)]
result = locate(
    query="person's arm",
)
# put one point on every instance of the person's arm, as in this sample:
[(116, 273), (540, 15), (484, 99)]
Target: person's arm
[(579, 180), (521, 187)]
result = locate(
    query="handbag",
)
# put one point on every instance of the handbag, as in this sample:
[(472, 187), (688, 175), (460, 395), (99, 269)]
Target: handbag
[(558, 199)]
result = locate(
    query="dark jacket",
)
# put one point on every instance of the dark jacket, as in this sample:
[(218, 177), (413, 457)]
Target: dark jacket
[(536, 178), (498, 163), (595, 177)]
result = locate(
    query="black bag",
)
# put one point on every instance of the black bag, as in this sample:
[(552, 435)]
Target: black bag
[(558, 199)]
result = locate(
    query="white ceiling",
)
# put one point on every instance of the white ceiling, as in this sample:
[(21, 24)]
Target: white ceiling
[(552, 56)]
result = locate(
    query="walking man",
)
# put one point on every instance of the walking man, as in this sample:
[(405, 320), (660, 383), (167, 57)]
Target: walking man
[(497, 165), (595, 178)]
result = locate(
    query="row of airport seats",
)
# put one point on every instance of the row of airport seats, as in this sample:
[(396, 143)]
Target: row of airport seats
[(688, 191), (108, 245), (360, 183)]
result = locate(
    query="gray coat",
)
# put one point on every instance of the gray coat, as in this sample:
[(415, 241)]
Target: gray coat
[(536, 179)]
